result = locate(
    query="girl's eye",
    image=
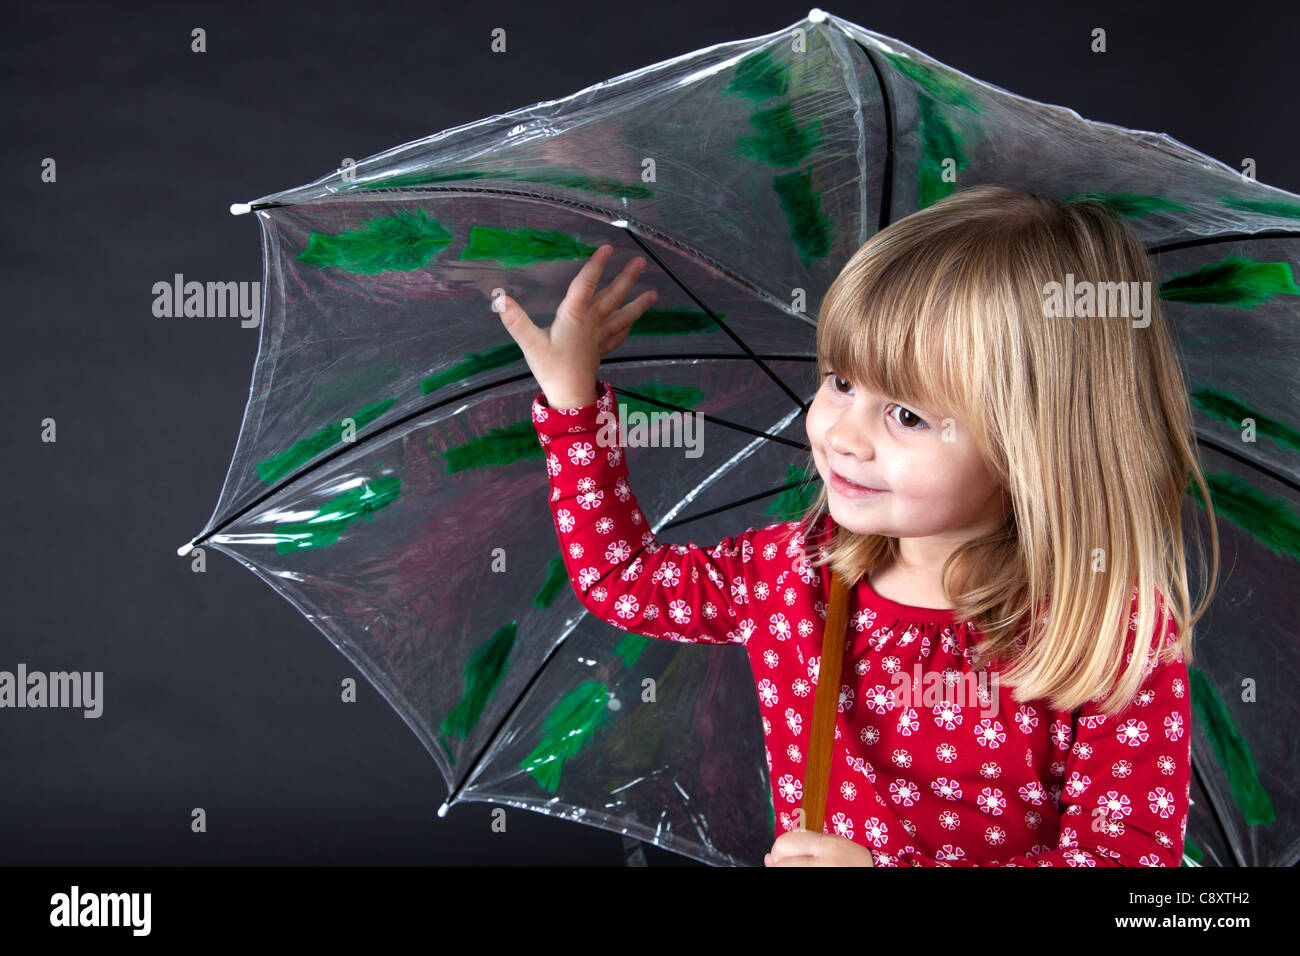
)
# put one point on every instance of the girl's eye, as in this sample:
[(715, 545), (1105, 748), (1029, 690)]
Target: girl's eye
[(920, 421), (909, 420)]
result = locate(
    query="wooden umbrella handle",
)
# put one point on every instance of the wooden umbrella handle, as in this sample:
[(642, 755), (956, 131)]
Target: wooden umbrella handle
[(826, 705)]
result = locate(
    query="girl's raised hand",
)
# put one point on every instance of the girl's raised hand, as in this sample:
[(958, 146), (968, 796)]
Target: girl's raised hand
[(565, 358)]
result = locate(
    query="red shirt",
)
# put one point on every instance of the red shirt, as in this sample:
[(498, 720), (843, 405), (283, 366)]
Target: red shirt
[(967, 778)]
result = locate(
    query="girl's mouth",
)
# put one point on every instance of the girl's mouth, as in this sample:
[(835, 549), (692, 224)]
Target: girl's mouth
[(851, 490)]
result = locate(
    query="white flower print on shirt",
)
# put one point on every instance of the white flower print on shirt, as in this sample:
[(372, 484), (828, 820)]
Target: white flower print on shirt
[(1026, 718), (582, 453), (1174, 726), (903, 792), (625, 606), (991, 801), (989, 733), (680, 612), (1033, 793), (907, 722), (948, 789), (1162, 802), (842, 826), (667, 574), (1132, 732), (790, 787), (947, 715), (794, 720)]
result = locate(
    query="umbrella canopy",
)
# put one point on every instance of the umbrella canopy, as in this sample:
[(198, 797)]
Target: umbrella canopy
[(387, 479)]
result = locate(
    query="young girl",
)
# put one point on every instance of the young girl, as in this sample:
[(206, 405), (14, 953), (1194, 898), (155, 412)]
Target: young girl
[(976, 448)]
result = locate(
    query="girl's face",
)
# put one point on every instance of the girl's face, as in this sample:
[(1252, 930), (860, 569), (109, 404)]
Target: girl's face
[(935, 491)]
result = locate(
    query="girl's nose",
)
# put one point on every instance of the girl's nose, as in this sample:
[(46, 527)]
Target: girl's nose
[(847, 440)]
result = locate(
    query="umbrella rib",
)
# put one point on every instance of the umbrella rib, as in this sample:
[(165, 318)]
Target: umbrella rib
[(326, 458), (887, 107), (1228, 237), (722, 325), (1226, 449), (739, 501)]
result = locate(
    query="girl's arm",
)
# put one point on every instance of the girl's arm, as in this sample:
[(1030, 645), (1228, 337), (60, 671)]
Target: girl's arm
[(1127, 780), (619, 569)]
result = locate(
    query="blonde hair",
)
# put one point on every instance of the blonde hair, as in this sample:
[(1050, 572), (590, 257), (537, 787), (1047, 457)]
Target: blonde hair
[(1086, 421)]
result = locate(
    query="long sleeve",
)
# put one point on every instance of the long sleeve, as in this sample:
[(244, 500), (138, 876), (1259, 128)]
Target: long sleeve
[(1124, 800), (618, 568)]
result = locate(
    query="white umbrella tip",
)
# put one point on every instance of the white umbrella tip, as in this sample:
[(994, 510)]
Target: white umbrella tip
[(817, 15), (184, 549), (240, 208), (442, 810)]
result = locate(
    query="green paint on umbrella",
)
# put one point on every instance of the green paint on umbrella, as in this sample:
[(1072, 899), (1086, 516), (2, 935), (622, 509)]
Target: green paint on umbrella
[(793, 503), (334, 516), (556, 577), (948, 87), (500, 446), (1234, 280), (277, 466), (482, 676), (674, 322), (523, 246), (569, 725), (802, 207), (630, 647), (369, 379), (401, 243), (472, 364), (1286, 210), (1270, 520), (446, 749), (939, 143), (1131, 205), (1192, 852), (1226, 408), (1230, 750), (780, 142), (759, 77)]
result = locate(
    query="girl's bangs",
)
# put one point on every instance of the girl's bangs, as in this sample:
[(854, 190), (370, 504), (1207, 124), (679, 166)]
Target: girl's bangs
[(890, 337)]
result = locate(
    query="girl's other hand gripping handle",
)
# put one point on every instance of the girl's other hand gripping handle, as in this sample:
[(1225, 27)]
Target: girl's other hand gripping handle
[(565, 358)]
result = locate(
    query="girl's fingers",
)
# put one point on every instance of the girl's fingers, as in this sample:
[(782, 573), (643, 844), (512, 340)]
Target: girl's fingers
[(583, 286), (617, 290), (517, 322), (619, 323)]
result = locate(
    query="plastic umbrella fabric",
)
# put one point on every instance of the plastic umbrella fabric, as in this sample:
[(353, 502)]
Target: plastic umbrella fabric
[(388, 482)]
